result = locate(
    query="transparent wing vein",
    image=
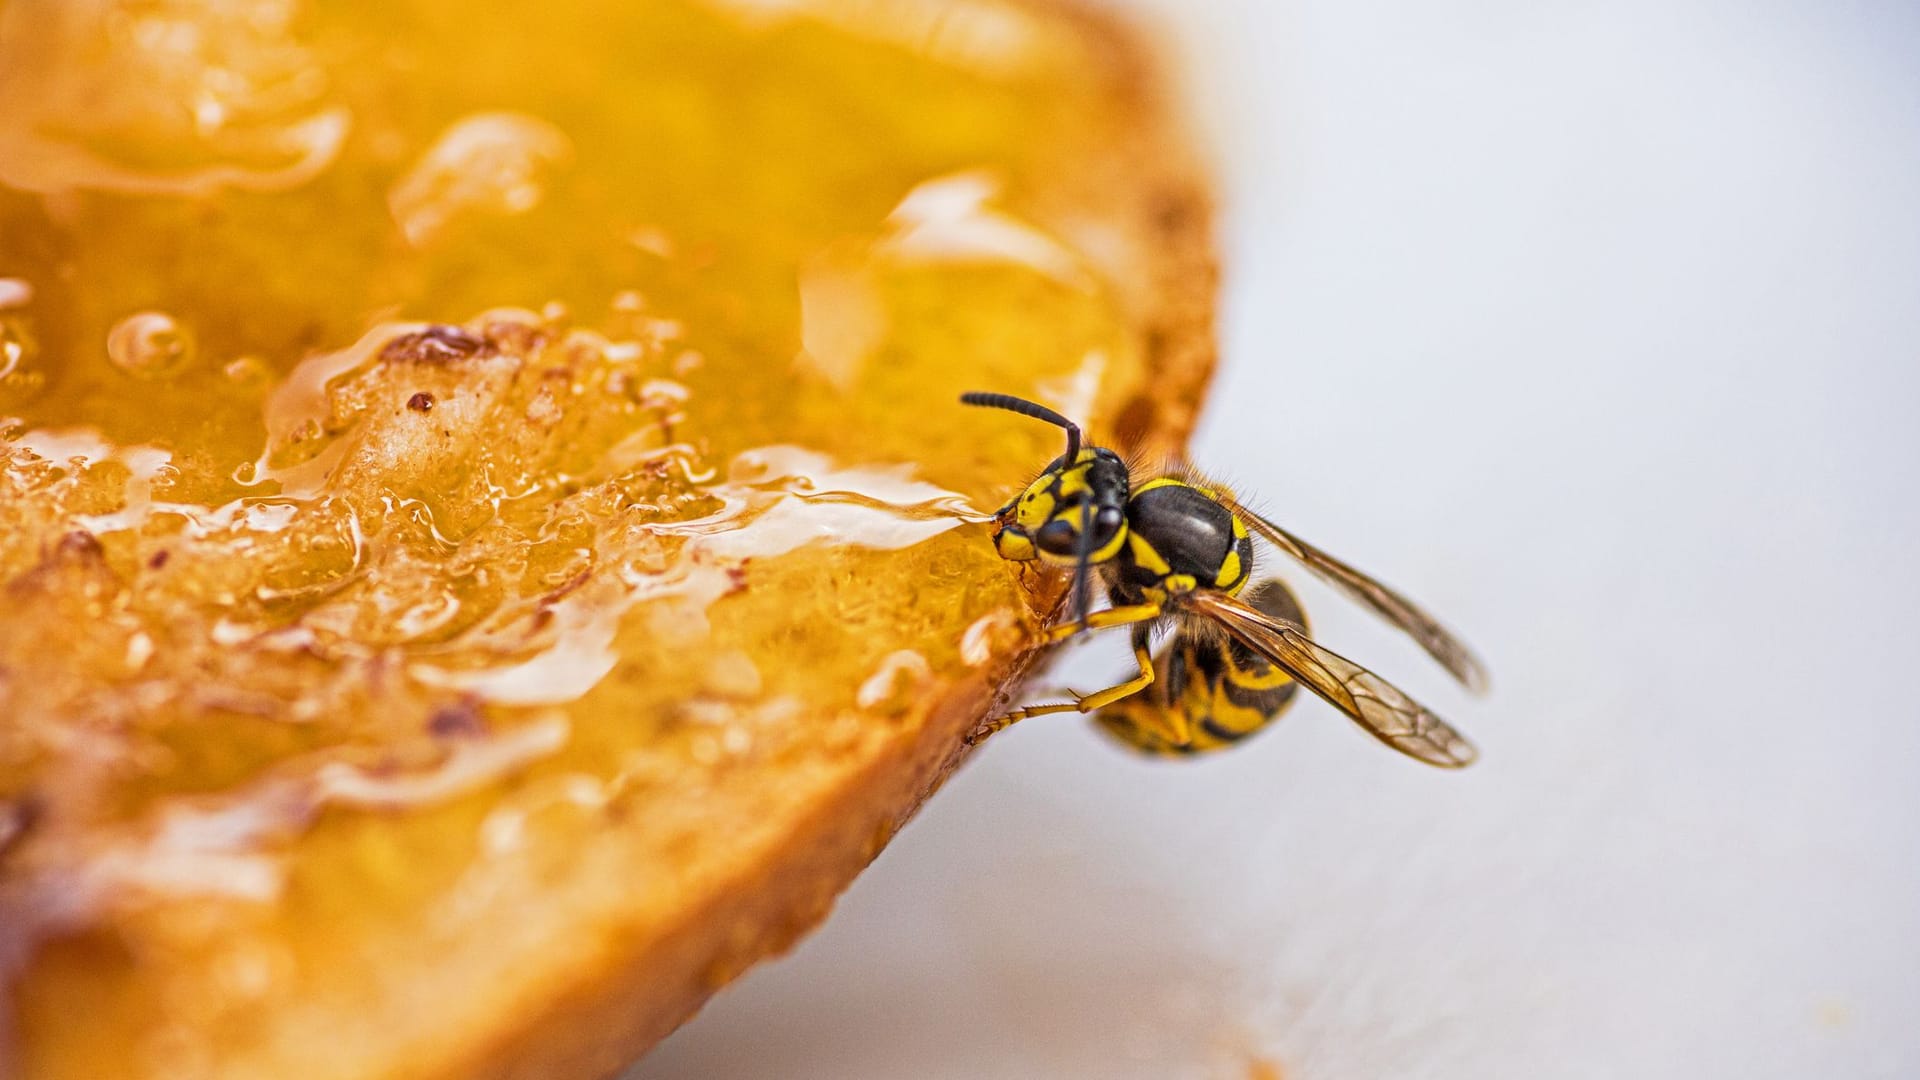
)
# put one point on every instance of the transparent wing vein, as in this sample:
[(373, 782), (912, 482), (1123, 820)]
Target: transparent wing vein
[(1439, 642), (1383, 710)]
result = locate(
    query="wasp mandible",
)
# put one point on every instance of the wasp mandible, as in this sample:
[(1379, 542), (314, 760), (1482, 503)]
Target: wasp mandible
[(1177, 552)]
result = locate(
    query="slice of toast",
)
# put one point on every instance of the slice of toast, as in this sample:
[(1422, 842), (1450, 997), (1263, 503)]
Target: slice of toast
[(490, 547)]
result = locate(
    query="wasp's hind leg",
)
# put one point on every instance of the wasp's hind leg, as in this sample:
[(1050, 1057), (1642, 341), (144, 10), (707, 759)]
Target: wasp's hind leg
[(1157, 723), (1099, 699)]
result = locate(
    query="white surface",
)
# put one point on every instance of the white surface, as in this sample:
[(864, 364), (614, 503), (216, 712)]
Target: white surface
[(1597, 327)]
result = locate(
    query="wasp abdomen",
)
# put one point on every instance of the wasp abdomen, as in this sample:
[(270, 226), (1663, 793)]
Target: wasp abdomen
[(1209, 692)]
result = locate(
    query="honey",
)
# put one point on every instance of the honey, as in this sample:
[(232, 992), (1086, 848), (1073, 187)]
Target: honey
[(473, 481)]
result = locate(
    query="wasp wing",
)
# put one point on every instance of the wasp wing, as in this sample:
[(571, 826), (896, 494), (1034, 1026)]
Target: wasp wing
[(1439, 642), (1386, 713)]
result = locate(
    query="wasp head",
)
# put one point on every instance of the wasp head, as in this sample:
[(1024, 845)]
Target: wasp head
[(1075, 514), (1046, 521)]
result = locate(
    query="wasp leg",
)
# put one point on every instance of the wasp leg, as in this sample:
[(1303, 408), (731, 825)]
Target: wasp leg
[(1126, 615), (1172, 723), (1099, 699)]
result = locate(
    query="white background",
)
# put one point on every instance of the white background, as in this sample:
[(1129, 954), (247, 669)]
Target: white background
[(1597, 328)]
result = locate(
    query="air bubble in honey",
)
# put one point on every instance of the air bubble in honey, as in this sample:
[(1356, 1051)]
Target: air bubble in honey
[(20, 380), (149, 344)]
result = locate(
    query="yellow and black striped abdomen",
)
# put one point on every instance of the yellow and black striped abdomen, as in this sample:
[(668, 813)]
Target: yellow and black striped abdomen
[(1208, 692)]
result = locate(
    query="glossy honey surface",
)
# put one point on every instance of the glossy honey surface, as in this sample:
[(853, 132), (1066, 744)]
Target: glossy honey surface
[(454, 459)]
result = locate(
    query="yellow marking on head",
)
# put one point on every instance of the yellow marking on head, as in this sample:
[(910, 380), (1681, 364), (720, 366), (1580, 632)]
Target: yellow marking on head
[(1013, 546), (1036, 505), (1073, 481), (1239, 528)]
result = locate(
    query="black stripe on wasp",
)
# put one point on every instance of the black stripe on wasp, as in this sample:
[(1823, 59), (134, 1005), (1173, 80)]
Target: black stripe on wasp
[(1177, 552)]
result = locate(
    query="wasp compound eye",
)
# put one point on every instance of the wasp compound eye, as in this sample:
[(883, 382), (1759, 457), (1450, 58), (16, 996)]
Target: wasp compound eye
[(1057, 537), (1106, 523)]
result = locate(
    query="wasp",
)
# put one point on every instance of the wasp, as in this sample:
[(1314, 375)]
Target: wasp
[(1176, 553)]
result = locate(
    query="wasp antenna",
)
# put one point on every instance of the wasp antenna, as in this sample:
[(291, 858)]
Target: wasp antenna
[(1028, 408), (1082, 565)]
